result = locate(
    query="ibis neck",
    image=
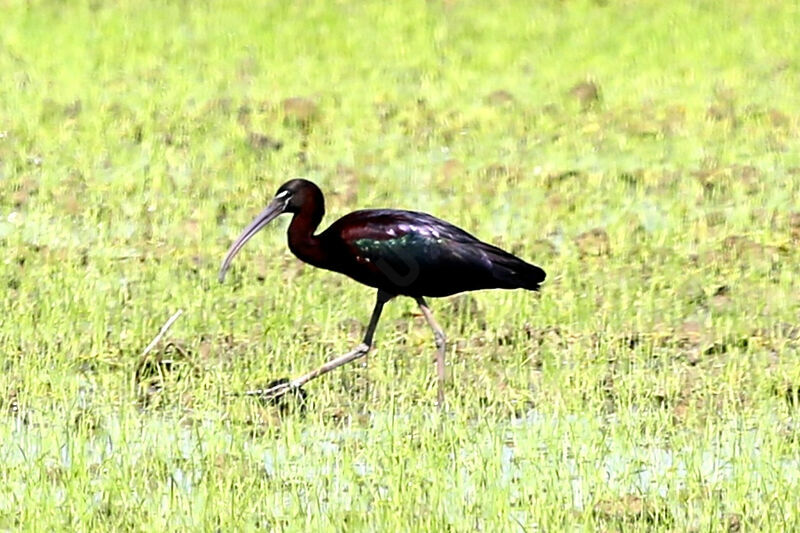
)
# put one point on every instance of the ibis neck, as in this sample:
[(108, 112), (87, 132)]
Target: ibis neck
[(302, 241)]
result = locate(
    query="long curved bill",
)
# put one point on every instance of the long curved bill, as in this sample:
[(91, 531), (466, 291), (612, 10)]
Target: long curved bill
[(275, 208)]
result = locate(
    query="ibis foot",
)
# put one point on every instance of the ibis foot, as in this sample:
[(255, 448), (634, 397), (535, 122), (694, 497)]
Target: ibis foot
[(275, 392)]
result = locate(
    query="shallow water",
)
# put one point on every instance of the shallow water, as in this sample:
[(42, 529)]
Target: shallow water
[(523, 451)]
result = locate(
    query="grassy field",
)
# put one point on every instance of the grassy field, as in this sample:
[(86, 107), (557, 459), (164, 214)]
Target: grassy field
[(645, 154)]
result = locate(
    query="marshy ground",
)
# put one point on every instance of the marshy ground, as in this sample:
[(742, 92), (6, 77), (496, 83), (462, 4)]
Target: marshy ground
[(645, 155)]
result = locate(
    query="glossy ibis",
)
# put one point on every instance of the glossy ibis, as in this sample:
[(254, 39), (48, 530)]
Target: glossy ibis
[(400, 253)]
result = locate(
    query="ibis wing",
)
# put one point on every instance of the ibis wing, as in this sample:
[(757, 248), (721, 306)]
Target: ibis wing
[(418, 254)]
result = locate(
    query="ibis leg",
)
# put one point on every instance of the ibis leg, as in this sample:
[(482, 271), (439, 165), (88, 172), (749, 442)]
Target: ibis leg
[(438, 335), (359, 351)]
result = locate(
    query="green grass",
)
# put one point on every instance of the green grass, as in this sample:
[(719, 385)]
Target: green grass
[(651, 386)]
